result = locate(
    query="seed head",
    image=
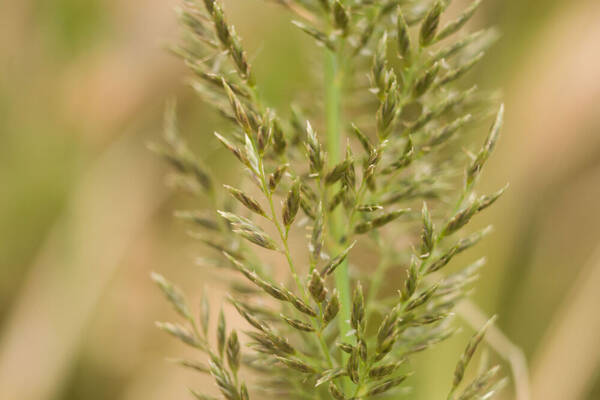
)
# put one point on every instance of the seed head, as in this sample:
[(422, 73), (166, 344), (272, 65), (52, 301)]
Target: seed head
[(279, 142), (385, 386), (337, 260), (412, 280), (300, 304), (403, 36), (341, 16), (333, 307), (209, 4), (422, 298), (276, 176), (458, 23), (233, 352), (221, 26), (316, 238), (427, 241), (251, 319), (291, 205), (297, 324), (297, 365), (384, 370), (316, 287), (430, 24), (425, 81), (488, 147), (335, 392), (459, 372), (313, 149), (221, 333), (352, 366), (182, 333), (337, 172), (173, 294), (358, 308), (246, 200)]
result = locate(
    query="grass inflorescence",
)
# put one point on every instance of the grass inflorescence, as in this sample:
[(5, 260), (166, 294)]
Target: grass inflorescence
[(393, 171)]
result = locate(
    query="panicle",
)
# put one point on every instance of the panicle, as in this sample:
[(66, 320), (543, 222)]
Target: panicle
[(392, 139)]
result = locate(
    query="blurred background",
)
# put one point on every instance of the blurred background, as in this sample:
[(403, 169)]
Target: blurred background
[(86, 214)]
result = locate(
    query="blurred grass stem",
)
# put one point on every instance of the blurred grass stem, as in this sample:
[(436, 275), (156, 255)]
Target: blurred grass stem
[(333, 82)]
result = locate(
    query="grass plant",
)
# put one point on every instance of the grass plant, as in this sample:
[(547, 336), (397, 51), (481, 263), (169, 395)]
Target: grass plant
[(392, 180)]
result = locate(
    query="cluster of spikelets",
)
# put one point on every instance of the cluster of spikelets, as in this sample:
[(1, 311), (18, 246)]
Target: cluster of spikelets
[(400, 194)]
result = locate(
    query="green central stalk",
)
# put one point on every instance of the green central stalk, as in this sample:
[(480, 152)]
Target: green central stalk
[(333, 82)]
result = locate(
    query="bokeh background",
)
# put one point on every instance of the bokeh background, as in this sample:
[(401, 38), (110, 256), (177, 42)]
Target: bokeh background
[(86, 214)]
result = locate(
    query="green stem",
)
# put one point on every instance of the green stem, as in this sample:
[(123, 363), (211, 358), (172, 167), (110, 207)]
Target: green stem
[(333, 82), (376, 282), (333, 106)]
